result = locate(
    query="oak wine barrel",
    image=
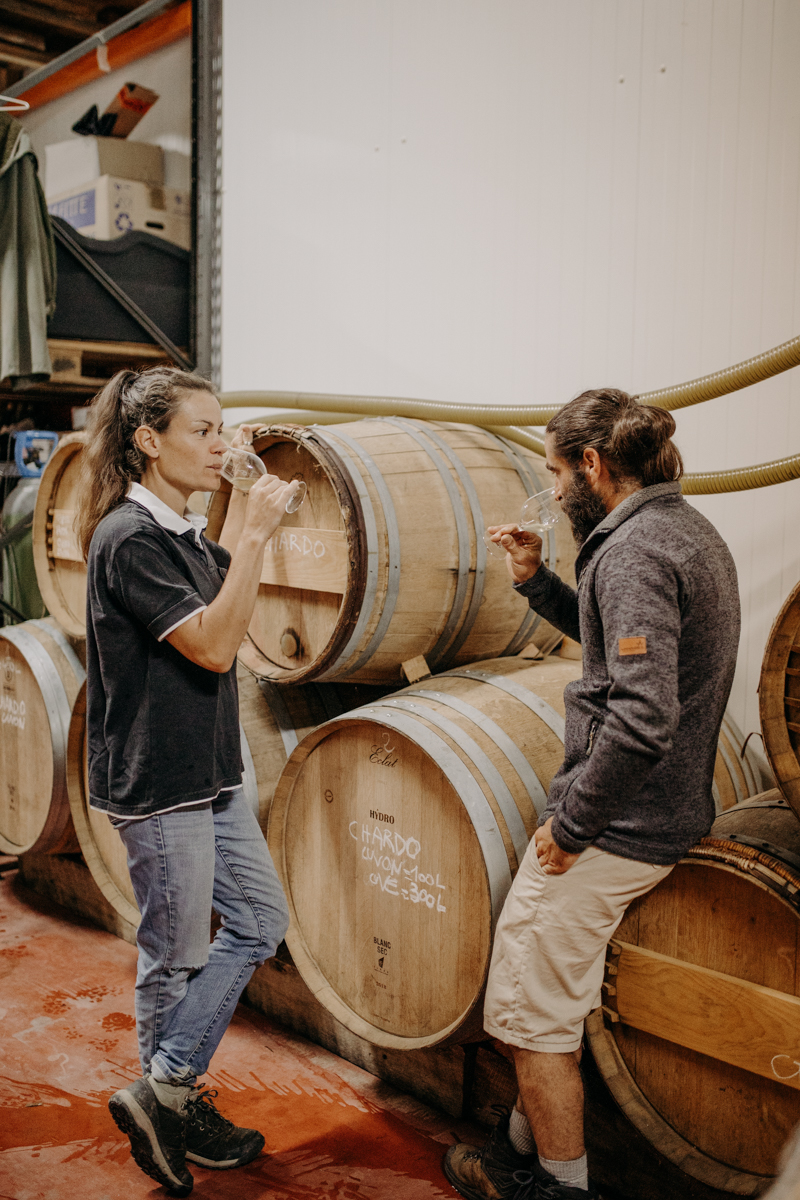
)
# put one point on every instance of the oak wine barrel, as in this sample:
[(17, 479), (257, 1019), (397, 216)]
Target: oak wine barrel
[(385, 561), (57, 557), (699, 1036), (271, 722), (779, 699), (40, 678), (397, 829)]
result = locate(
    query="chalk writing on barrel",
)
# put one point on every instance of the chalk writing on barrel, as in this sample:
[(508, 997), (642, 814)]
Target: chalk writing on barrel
[(782, 1073), (397, 874), (295, 544)]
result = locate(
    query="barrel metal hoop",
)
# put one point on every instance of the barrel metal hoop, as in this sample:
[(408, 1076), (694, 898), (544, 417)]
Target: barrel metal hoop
[(535, 703), (55, 699), (480, 549), (718, 809), (500, 789), (393, 567), (530, 780), (462, 533), (371, 585), (465, 785), (63, 645), (732, 772), (280, 713), (249, 779)]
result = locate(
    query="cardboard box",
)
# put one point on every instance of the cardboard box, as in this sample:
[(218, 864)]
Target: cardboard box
[(108, 207), (80, 161)]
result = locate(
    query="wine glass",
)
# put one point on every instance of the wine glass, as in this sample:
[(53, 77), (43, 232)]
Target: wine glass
[(242, 469), (538, 514)]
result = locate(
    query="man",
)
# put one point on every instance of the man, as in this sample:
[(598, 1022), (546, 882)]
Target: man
[(657, 615)]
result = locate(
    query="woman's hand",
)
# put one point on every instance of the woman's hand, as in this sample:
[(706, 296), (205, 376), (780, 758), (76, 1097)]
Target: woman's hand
[(552, 859), (244, 436), (523, 550), (266, 505)]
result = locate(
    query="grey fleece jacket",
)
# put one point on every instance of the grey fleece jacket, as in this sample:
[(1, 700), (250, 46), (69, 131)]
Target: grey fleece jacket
[(657, 615)]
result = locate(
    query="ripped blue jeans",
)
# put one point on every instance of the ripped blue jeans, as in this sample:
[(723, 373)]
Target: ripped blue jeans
[(181, 864)]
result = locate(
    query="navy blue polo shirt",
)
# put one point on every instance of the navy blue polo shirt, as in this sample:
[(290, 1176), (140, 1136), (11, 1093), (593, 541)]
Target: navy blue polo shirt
[(163, 732)]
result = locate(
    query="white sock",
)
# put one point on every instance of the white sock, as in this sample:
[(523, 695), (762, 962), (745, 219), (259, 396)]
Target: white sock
[(519, 1133), (171, 1095), (573, 1173)]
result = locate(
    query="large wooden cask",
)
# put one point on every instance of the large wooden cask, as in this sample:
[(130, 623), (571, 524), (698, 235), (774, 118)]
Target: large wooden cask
[(40, 678), (397, 829), (779, 699), (60, 569), (271, 723), (385, 561), (699, 1037)]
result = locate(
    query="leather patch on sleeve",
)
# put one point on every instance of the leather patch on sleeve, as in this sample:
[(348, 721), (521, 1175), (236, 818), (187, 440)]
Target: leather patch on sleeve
[(634, 645)]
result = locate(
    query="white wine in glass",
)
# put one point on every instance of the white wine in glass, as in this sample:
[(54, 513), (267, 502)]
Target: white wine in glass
[(242, 469)]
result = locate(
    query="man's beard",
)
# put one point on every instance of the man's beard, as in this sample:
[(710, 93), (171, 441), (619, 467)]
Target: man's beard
[(582, 506)]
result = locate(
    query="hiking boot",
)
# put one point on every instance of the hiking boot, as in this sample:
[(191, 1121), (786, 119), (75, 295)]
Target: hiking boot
[(490, 1173), (214, 1141), (551, 1189), (157, 1135)]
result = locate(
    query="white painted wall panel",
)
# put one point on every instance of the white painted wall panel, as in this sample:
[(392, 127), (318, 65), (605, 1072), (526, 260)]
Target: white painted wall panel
[(475, 201)]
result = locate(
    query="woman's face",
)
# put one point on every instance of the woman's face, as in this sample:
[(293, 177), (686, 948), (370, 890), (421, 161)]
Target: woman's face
[(188, 455)]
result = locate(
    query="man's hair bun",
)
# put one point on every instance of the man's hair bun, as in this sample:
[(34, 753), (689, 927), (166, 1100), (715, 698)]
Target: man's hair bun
[(633, 438)]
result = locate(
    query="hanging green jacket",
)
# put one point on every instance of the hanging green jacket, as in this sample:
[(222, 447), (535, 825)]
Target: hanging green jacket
[(27, 261)]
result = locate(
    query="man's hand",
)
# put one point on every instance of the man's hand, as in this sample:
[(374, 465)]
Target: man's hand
[(552, 859), (523, 550)]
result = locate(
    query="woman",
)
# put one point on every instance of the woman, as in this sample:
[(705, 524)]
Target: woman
[(166, 613)]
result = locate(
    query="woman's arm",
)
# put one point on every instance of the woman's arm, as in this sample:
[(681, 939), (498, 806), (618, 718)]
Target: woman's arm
[(212, 637)]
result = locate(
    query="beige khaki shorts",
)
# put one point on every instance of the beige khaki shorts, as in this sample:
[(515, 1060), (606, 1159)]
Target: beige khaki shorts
[(549, 949)]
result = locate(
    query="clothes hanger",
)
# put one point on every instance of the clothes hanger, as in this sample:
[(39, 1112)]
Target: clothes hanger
[(13, 104)]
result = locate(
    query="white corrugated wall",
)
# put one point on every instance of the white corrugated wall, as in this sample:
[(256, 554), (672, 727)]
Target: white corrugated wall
[(512, 200)]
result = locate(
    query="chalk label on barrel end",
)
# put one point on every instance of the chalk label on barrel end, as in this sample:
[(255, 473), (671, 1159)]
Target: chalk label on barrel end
[(632, 645)]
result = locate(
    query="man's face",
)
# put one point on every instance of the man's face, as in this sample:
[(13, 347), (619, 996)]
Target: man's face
[(581, 504)]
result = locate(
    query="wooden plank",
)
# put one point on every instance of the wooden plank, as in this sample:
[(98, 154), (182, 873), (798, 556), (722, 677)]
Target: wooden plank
[(313, 559), (112, 349), (749, 1026)]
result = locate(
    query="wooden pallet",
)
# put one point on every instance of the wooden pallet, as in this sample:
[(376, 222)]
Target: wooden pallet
[(89, 364)]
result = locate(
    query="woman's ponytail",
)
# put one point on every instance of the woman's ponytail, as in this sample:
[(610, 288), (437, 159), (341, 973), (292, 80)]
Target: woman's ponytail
[(112, 460), (634, 439)]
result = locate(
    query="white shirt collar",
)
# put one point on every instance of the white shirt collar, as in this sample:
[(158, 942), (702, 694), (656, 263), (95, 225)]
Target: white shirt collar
[(166, 517)]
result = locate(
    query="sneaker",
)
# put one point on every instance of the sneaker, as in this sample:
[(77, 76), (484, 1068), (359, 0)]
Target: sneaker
[(214, 1141), (157, 1135), (491, 1172)]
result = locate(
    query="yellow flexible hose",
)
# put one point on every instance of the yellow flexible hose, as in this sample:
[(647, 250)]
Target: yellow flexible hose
[(719, 383), (396, 406), (506, 420)]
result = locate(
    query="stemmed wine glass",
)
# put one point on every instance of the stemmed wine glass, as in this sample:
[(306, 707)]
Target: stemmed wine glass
[(242, 469), (538, 514)]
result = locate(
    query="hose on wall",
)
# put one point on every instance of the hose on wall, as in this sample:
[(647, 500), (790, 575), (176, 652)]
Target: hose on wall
[(719, 383), (507, 420)]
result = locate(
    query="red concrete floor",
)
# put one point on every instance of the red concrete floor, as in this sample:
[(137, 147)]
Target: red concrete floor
[(66, 1016)]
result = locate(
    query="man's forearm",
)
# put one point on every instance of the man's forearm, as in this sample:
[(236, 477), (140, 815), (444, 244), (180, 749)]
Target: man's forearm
[(554, 600)]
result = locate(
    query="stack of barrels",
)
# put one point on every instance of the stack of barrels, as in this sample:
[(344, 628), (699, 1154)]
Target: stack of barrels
[(398, 815)]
